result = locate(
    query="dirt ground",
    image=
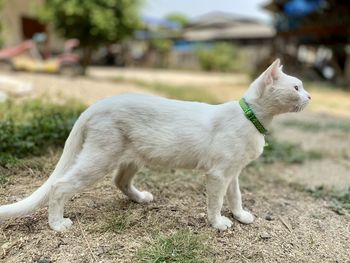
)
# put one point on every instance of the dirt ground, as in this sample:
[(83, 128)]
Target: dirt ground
[(290, 225)]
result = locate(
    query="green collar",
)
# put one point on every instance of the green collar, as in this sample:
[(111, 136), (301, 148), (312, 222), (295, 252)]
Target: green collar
[(249, 113)]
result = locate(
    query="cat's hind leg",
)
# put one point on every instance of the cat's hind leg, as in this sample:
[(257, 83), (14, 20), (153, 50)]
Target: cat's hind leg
[(123, 179), (91, 165)]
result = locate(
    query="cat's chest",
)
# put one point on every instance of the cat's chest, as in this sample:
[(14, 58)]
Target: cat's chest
[(255, 147)]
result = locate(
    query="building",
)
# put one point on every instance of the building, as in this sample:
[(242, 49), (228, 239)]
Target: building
[(19, 22), (220, 26), (253, 37)]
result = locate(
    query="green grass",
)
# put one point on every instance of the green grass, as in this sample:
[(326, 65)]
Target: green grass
[(179, 92), (287, 152), (32, 127), (4, 180), (119, 222), (315, 127), (339, 199), (8, 161), (182, 246)]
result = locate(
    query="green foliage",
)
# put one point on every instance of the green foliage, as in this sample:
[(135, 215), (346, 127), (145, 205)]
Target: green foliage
[(163, 46), (286, 152), (93, 22), (178, 18), (182, 246), (221, 57), (32, 127), (340, 200)]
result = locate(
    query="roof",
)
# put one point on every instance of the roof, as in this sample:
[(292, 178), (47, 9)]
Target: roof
[(218, 18), (221, 25)]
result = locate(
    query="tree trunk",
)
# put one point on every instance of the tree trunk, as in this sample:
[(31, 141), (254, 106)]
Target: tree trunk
[(86, 59)]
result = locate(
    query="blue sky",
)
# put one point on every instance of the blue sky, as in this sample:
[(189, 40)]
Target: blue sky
[(193, 8)]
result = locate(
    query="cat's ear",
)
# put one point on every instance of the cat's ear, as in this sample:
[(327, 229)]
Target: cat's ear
[(272, 72), (266, 79)]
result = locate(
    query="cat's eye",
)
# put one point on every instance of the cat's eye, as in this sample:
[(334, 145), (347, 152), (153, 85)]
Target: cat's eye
[(296, 88)]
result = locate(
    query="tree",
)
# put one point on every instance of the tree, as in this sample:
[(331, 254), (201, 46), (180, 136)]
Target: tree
[(179, 18), (93, 22)]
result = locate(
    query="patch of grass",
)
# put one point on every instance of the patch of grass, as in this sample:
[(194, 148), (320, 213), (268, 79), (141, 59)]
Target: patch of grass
[(287, 152), (4, 180), (30, 128), (340, 200), (315, 127), (180, 92), (6, 160), (182, 246), (119, 222)]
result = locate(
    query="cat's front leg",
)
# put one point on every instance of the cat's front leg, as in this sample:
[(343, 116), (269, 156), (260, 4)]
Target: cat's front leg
[(234, 199), (217, 185)]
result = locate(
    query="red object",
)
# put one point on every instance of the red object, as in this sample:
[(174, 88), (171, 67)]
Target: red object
[(11, 52)]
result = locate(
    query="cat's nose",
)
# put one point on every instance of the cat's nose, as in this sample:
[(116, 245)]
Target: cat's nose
[(308, 95)]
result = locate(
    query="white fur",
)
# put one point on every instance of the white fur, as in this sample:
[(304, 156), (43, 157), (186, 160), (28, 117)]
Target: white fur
[(120, 134)]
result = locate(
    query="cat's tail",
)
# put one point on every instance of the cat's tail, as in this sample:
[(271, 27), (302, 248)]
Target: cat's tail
[(40, 197)]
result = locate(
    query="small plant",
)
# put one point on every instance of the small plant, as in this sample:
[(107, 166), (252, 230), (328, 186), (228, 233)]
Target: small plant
[(286, 152), (182, 246)]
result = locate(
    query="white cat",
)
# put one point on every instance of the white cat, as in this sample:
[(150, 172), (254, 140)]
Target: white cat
[(121, 134)]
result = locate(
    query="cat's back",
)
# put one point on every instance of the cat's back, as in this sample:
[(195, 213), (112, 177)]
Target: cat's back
[(135, 99), (148, 104)]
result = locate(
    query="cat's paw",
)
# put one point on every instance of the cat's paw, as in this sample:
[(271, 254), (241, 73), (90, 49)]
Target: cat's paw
[(61, 225), (222, 223), (244, 217), (144, 197)]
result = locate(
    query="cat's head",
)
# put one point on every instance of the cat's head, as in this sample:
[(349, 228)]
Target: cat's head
[(277, 91)]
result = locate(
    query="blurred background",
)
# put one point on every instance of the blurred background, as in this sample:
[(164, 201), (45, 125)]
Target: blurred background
[(311, 37), (59, 56)]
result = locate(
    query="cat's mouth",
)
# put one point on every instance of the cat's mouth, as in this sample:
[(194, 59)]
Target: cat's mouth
[(299, 107)]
